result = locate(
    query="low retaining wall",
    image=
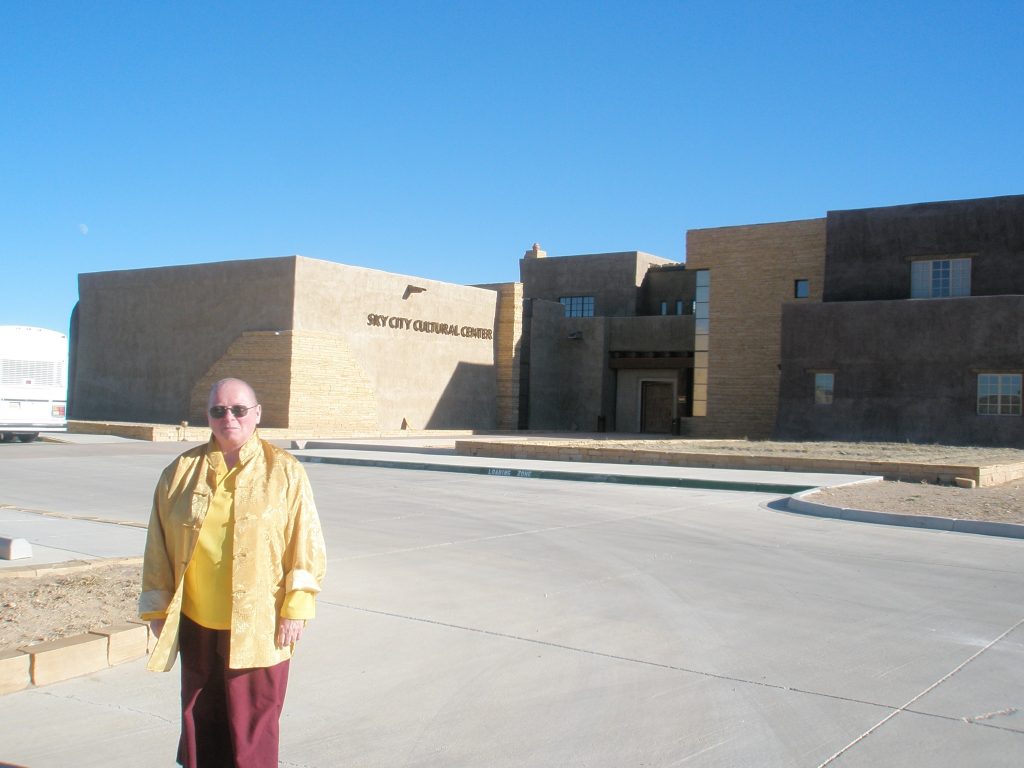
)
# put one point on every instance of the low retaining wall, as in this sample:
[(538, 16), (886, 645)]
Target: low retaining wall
[(945, 474), (190, 433)]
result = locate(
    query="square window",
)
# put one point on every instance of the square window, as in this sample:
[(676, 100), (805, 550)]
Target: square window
[(824, 387), (801, 289), (999, 394)]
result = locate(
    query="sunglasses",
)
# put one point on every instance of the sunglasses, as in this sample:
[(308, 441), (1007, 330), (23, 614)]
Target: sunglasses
[(238, 411)]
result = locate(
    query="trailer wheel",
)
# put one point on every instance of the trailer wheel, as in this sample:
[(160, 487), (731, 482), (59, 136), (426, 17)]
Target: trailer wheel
[(28, 437)]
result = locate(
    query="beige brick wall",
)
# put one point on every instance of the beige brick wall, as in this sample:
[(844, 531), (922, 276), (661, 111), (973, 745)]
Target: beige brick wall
[(329, 390), (305, 380), (262, 358), (507, 348), (753, 269)]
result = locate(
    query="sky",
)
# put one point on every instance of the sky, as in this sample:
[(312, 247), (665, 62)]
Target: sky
[(442, 139)]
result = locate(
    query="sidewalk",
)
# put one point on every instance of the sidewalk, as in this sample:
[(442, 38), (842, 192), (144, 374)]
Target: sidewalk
[(474, 614)]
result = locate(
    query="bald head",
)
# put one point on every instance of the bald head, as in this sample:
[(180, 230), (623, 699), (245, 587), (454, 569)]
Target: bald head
[(230, 430), (244, 385)]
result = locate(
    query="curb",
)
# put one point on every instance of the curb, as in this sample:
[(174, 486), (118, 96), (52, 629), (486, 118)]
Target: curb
[(797, 503), (68, 566), (554, 474)]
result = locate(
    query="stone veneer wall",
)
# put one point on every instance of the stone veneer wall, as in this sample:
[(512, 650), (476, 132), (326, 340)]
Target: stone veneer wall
[(262, 358), (507, 348), (753, 270), (305, 380), (329, 389)]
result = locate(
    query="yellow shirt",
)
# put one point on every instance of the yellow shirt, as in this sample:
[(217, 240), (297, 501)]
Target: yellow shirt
[(274, 554), (207, 597)]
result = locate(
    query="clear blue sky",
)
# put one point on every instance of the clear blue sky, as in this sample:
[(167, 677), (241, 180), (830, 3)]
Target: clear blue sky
[(442, 139)]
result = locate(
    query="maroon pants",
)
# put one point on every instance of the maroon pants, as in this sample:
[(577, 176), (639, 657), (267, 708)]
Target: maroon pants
[(229, 717)]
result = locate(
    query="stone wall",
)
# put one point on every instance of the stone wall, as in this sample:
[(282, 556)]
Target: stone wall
[(507, 353), (753, 270), (261, 358), (305, 381)]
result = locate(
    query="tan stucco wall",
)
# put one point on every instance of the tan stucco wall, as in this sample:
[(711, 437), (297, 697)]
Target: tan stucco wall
[(752, 269), (145, 336), (613, 279), (150, 342), (424, 379)]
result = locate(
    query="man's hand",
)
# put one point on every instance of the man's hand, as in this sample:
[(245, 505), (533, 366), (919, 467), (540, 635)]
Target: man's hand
[(156, 626), (289, 631)]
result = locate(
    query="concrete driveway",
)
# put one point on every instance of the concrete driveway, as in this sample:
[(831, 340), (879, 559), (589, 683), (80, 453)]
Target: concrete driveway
[(497, 621)]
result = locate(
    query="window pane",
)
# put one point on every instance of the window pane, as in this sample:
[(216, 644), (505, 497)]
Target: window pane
[(920, 278), (823, 388), (801, 289), (940, 278), (960, 278)]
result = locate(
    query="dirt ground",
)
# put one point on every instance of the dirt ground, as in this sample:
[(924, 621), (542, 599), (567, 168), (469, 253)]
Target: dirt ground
[(34, 609), (39, 608)]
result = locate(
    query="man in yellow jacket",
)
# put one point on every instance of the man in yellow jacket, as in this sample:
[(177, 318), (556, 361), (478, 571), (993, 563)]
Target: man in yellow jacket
[(234, 559)]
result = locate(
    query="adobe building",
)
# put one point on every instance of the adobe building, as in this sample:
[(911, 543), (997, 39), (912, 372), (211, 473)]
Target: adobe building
[(328, 347), (900, 323), (919, 330)]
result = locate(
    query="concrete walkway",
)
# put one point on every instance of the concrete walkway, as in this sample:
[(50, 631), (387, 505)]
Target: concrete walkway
[(505, 620), (102, 521)]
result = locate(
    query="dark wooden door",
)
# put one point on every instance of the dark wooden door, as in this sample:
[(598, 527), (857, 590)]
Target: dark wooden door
[(656, 406)]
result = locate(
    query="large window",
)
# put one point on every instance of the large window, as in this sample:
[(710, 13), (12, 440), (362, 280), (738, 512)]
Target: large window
[(940, 277), (824, 387), (999, 394), (578, 306)]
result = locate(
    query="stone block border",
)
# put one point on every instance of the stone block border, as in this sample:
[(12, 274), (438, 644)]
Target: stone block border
[(594, 451), (56, 660)]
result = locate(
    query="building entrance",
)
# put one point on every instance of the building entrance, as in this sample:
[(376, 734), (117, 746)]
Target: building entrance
[(656, 406)]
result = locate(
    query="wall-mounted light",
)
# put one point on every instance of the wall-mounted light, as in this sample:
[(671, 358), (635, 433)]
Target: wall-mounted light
[(411, 289)]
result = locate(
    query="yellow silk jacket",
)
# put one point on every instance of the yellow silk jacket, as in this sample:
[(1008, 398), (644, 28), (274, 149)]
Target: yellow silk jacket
[(278, 547)]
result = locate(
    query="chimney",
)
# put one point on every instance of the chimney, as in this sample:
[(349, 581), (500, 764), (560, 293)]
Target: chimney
[(535, 252)]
